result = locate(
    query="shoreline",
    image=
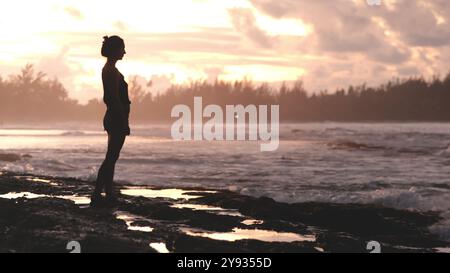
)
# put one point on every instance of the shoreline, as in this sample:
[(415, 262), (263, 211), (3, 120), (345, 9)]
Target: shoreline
[(55, 211)]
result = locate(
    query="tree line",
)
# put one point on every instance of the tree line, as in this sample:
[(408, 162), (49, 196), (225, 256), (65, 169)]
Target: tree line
[(31, 96)]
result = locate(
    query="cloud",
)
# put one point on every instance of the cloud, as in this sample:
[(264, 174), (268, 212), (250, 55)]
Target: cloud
[(213, 73), (244, 21), (347, 42), (75, 13), (420, 23), (204, 46), (68, 73), (341, 27), (160, 83), (408, 70), (120, 25), (56, 66)]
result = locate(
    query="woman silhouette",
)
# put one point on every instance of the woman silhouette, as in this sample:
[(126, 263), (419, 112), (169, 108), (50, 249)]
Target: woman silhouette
[(115, 121)]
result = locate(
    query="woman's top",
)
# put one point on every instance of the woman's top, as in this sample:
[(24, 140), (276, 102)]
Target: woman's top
[(111, 121)]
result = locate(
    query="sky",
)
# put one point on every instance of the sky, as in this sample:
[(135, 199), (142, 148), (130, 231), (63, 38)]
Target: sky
[(327, 44)]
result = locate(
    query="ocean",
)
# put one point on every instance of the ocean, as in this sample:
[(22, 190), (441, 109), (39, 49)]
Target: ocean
[(399, 165)]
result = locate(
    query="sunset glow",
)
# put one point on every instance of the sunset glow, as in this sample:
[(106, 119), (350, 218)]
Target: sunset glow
[(177, 41)]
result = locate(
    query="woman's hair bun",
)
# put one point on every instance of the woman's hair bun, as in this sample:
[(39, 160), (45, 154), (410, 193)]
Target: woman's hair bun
[(111, 44)]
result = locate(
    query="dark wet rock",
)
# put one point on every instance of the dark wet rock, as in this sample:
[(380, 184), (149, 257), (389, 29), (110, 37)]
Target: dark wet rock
[(141, 223), (185, 243), (363, 222), (105, 243), (281, 225)]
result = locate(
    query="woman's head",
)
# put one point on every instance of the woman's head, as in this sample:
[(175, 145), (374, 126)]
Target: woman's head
[(113, 47)]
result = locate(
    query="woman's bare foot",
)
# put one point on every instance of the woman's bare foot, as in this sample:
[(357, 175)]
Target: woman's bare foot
[(96, 200)]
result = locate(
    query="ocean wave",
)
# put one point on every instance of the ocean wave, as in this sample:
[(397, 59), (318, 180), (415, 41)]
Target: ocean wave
[(361, 146), (73, 133), (339, 130), (39, 165), (353, 145), (18, 168), (158, 160), (297, 131), (444, 152), (410, 199), (49, 133), (418, 134), (57, 165), (82, 133), (12, 157)]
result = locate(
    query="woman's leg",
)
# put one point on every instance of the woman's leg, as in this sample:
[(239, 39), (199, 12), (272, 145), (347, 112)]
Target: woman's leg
[(99, 182), (106, 171), (115, 144)]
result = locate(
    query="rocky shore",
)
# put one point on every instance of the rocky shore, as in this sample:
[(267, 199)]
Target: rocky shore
[(44, 214)]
